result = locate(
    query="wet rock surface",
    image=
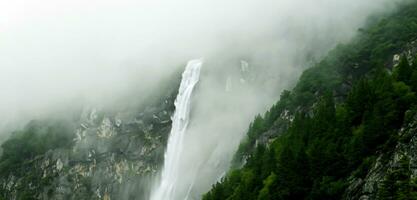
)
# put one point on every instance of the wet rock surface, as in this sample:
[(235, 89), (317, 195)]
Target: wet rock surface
[(366, 188), (112, 156)]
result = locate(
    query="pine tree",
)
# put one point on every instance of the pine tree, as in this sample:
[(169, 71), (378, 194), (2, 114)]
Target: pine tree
[(397, 184), (386, 191), (403, 183), (404, 70)]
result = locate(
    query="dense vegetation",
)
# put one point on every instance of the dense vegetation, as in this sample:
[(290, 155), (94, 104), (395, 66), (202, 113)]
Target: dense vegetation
[(34, 139), (23, 148), (344, 110)]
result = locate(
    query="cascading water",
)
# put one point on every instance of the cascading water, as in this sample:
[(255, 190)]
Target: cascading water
[(170, 173)]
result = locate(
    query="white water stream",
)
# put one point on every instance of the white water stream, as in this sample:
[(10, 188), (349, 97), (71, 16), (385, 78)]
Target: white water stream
[(165, 190)]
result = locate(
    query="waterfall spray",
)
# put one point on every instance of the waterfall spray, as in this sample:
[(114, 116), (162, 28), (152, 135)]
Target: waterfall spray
[(166, 188)]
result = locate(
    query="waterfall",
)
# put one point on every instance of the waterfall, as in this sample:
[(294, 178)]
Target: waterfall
[(166, 188)]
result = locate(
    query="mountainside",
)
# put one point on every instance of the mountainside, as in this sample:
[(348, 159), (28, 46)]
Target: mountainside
[(346, 131), (99, 155)]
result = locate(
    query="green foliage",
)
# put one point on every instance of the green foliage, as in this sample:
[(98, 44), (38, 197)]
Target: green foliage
[(397, 183), (36, 138), (268, 189), (333, 134), (404, 70), (22, 149)]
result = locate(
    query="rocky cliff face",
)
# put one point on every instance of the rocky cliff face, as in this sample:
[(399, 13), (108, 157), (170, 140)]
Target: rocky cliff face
[(112, 156), (367, 187), (406, 148)]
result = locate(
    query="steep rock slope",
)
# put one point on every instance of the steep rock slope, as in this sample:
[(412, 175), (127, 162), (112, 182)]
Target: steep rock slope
[(402, 156), (100, 155), (345, 127)]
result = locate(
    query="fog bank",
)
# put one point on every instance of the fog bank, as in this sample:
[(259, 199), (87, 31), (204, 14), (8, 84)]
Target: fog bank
[(59, 54)]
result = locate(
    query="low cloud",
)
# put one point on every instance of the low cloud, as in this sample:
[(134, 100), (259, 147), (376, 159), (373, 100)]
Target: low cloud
[(59, 54)]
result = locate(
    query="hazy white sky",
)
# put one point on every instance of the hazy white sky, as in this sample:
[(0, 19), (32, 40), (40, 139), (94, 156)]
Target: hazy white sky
[(53, 51)]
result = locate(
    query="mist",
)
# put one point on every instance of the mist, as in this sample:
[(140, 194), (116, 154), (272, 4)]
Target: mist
[(58, 55)]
